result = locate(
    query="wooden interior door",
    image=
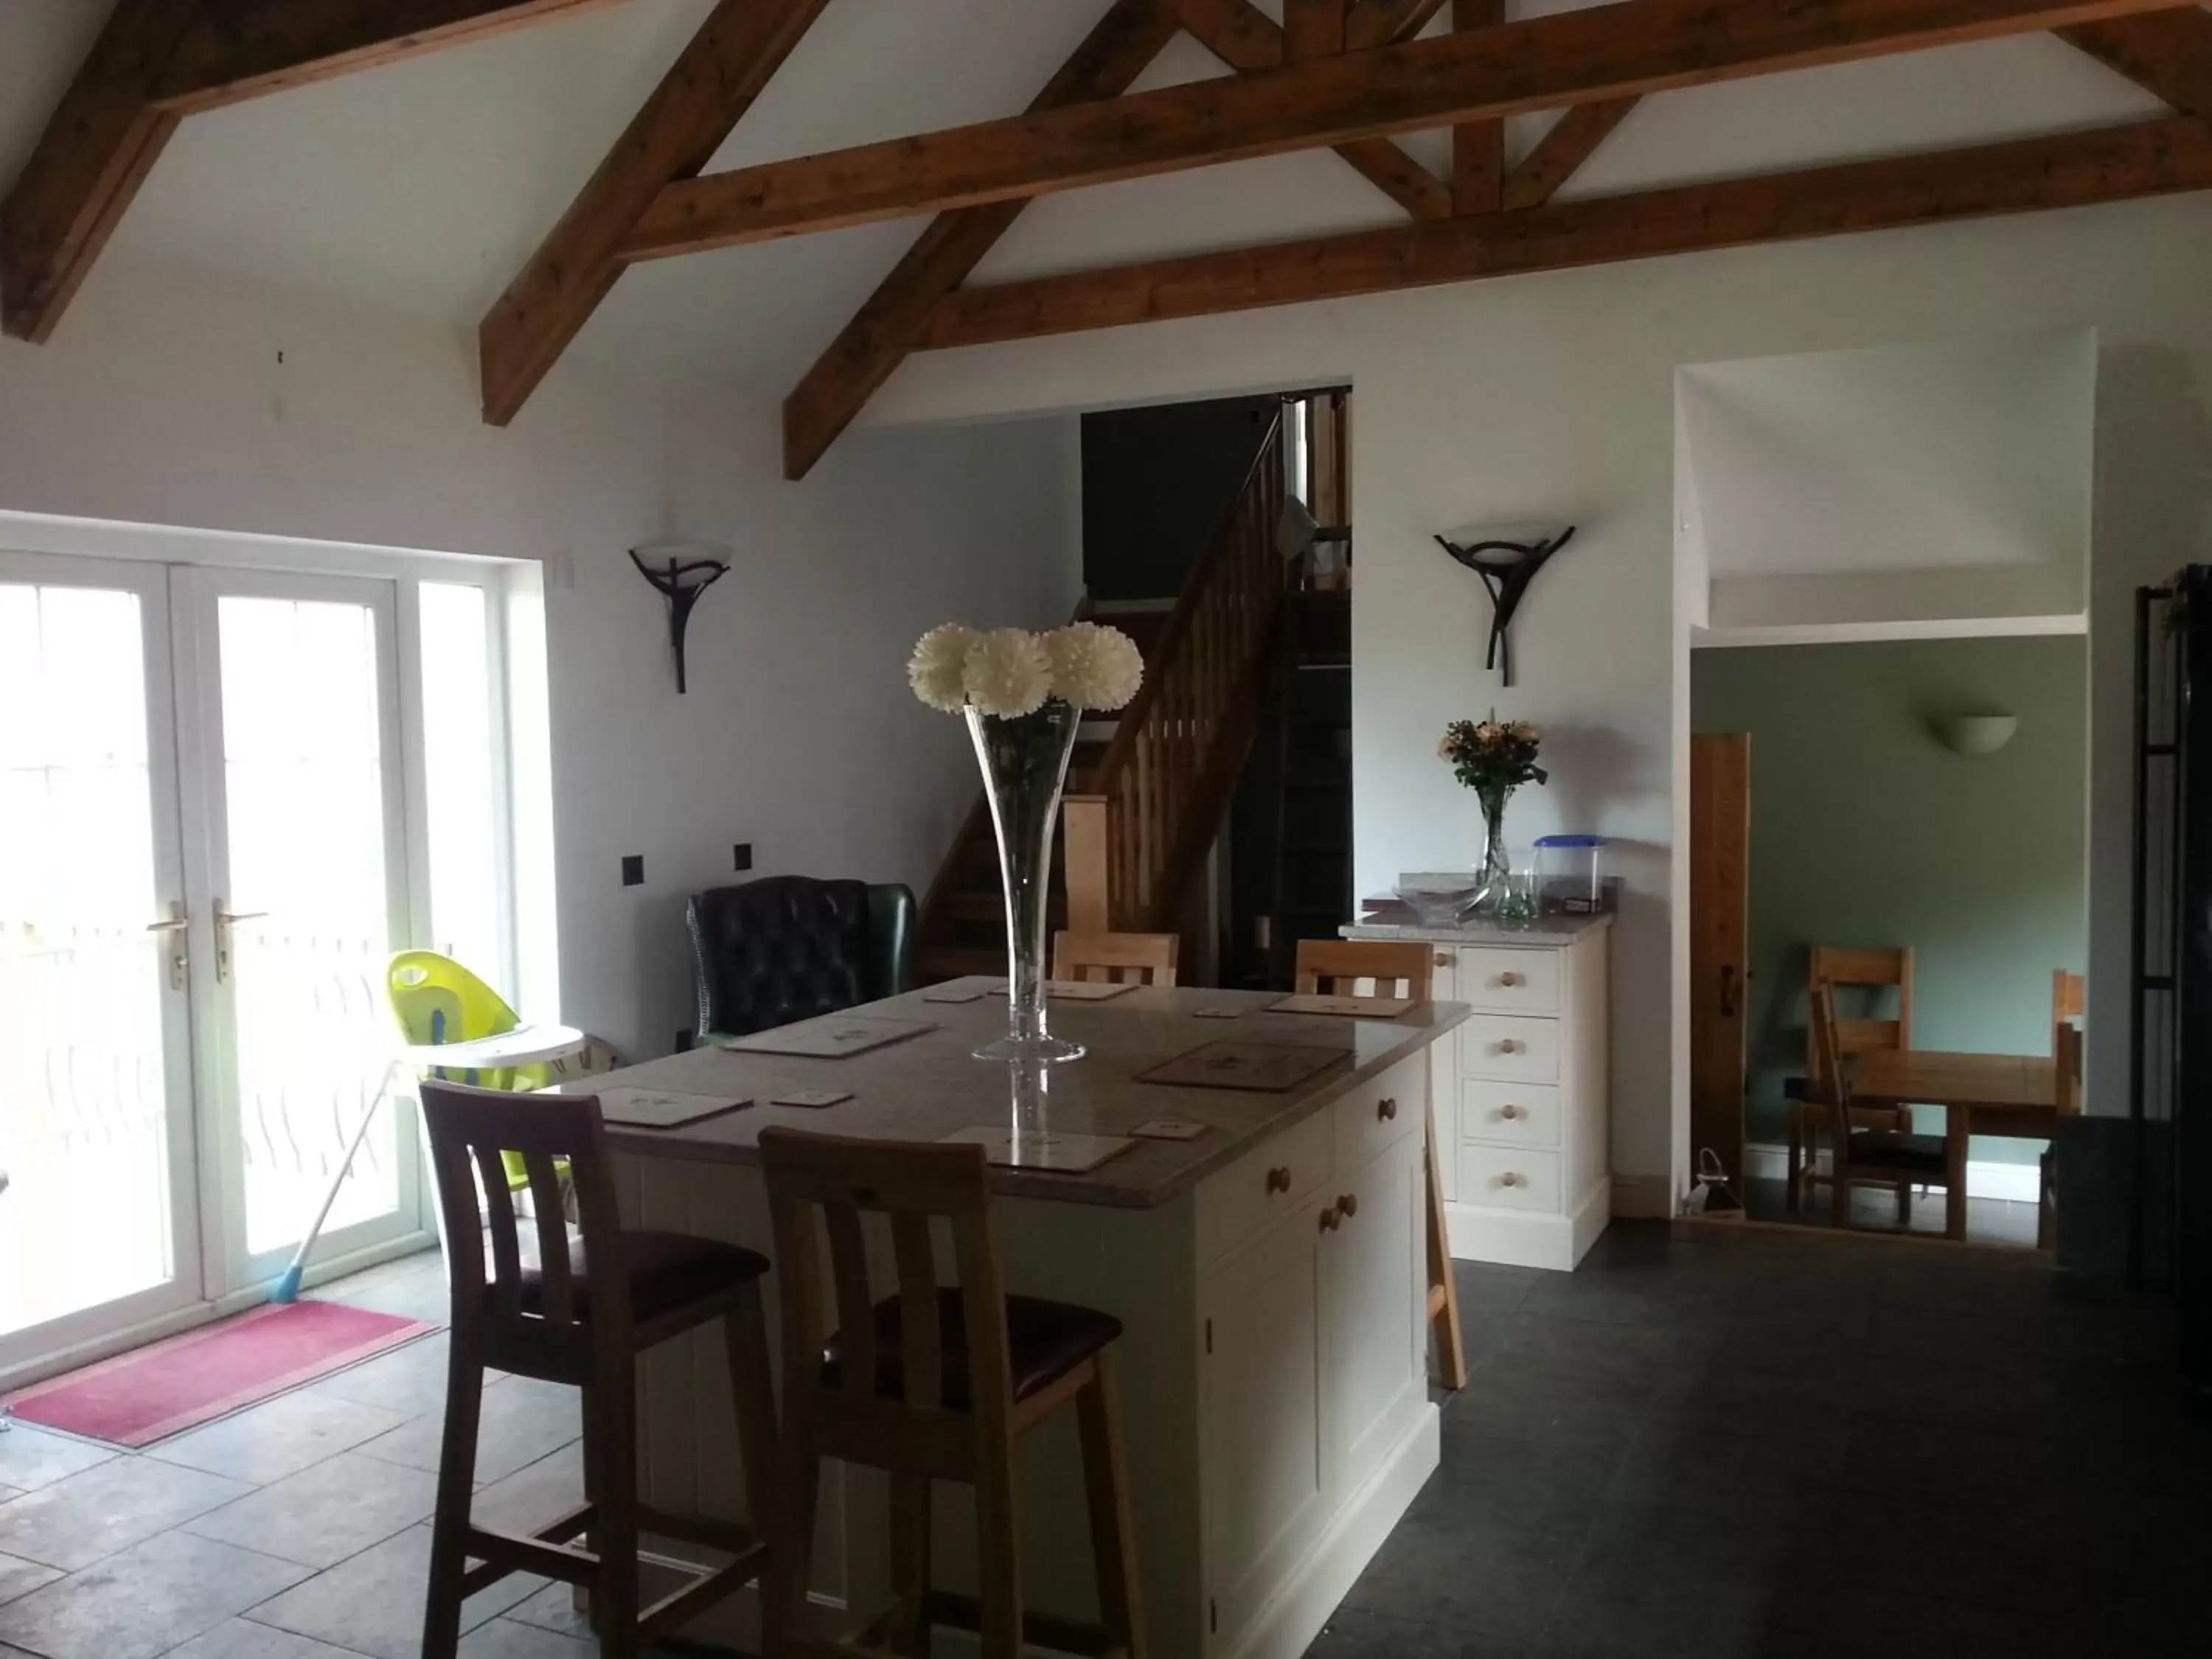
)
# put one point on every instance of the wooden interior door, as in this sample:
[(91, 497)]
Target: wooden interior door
[(1720, 908)]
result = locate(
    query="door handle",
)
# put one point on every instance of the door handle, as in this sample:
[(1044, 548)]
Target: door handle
[(1728, 990), (176, 929), (224, 921)]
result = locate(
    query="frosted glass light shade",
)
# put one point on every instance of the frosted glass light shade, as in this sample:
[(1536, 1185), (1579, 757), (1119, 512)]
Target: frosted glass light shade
[(1977, 734)]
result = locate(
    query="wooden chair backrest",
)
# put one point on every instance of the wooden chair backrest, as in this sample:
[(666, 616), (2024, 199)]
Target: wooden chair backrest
[(1335, 967), (470, 1130), (840, 1180), (1834, 965), (2069, 1001), (2066, 1057), (1115, 958), (1831, 1088)]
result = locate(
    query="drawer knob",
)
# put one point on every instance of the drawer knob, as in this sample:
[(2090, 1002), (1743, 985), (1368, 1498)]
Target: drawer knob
[(1347, 1205), (1331, 1219), (1509, 979), (1510, 1045), (1386, 1110), (1509, 1111), (1444, 959), (1509, 1179), (1278, 1178)]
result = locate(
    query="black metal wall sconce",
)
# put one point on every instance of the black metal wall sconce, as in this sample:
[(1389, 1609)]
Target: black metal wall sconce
[(1507, 558), (681, 583)]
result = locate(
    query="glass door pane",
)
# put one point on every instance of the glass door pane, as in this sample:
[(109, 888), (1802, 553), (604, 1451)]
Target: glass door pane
[(96, 1136), (307, 895)]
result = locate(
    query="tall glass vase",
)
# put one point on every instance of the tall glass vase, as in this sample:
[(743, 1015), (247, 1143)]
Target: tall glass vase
[(1025, 764), (1496, 861)]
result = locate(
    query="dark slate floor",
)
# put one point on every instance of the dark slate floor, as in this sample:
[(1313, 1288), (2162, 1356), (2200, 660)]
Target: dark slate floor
[(1770, 1447)]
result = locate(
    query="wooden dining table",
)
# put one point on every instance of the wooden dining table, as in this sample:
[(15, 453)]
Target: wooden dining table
[(2009, 1095)]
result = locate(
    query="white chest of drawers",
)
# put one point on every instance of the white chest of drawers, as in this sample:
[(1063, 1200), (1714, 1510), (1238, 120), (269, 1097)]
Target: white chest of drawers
[(1519, 1091)]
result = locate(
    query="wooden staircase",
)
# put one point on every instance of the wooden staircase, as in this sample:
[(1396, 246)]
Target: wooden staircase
[(1148, 788)]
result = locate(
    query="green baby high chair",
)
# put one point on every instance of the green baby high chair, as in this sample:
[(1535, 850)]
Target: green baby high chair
[(437, 1001)]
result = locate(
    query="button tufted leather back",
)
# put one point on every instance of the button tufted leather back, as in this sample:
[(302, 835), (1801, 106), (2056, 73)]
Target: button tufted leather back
[(787, 948)]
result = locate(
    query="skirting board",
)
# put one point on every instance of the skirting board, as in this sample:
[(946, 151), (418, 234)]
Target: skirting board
[(1517, 1238), (2020, 1183)]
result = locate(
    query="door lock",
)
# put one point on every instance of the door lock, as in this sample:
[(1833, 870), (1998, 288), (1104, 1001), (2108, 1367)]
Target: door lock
[(176, 937), (224, 921)]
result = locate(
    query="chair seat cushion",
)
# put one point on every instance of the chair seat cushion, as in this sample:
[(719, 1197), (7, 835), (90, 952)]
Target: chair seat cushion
[(667, 1272), (1045, 1340), (1895, 1149)]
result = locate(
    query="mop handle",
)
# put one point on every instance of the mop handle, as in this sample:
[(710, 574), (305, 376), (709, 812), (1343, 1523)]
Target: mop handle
[(287, 1286)]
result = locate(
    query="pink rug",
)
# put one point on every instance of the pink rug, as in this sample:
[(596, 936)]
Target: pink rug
[(151, 1393)]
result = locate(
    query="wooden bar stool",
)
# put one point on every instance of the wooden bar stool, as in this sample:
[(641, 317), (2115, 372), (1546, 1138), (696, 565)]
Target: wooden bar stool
[(1115, 958), (932, 1383), (1400, 969), (581, 1313)]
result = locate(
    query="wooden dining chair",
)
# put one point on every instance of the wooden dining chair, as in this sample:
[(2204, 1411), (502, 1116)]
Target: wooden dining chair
[(579, 1311), (2069, 1001), (1886, 1157), (1115, 958), (1858, 970), (1398, 969), (1338, 967), (933, 1383)]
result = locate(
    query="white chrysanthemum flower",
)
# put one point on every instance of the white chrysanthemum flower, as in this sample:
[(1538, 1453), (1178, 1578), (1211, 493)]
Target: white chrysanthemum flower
[(938, 671), (1008, 673), (1094, 667)]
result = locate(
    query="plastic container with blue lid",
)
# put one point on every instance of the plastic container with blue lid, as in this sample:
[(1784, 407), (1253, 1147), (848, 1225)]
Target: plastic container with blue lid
[(1571, 875)]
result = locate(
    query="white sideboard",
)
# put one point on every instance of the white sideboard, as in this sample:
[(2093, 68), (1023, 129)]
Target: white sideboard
[(1520, 1089)]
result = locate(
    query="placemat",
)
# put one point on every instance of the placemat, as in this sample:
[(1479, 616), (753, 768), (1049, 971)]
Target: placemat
[(1273, 1068), (1350, 1008), (1043, 1149), (831, 1037), (654, 1109)]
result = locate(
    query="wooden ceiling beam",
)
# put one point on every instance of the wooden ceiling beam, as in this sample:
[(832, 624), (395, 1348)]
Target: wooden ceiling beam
[(1607, 51), (2069, 170), (156, 61), (95, 152), (1378, 22), (1312, 28), (1478, 147), (240, 49), (865, 354), (1245, 38), (1559, 152), (2167, 53), (722, 69)]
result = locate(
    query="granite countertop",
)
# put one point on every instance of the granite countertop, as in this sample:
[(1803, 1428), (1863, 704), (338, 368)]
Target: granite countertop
[(926, 1087), (1543, 932)]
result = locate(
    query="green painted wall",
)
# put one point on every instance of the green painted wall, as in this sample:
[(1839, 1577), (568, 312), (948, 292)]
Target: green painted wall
[(1865, 830)]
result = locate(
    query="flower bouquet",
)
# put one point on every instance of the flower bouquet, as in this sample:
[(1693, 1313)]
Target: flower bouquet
[(1493, 757), (1024, 696)]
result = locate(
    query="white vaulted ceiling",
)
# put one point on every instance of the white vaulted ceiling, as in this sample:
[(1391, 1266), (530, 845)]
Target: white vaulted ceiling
[(421, 188)]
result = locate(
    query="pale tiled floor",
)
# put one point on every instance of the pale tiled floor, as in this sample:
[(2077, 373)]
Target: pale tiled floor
[(296, 1529)]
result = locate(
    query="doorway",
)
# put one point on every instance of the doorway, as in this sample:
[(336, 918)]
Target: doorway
[(1905, 820), (207, 855)]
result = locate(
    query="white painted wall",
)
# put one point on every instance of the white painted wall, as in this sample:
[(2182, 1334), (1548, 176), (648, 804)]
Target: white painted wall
[(181, 400), (1554, 394)]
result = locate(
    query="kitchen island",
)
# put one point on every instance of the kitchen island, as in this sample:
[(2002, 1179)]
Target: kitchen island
[(1269, 1273)]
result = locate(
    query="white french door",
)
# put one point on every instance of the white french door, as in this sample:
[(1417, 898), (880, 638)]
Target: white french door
[(296, 879), (99, 1220), (203, 871)]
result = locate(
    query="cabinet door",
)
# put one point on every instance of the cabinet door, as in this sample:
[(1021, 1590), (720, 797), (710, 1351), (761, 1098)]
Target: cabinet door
[(1373, 1305), (1263, 1450), (1443, 1071)]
